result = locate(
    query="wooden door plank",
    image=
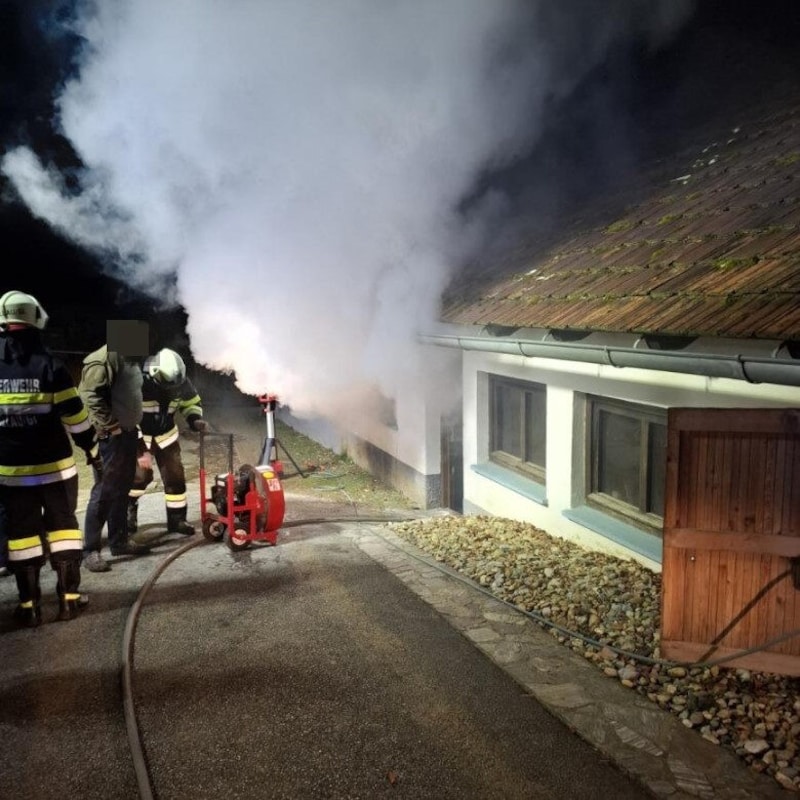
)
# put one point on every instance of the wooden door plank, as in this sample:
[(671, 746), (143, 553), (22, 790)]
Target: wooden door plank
[(735, 481), (697, 584), (783, 605), (757, 631), (776, 607), (738, 420), (700, 620), (771, 470), (758, 489), (744, 518), (728, 457), (719, 468), (782, 524), (693, 538), (730, 604), (690, 652), (717, 567), (700, 480), (672, 591), (742, 593)]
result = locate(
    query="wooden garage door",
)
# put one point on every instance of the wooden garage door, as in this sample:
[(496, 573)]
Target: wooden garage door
[(731, 528)]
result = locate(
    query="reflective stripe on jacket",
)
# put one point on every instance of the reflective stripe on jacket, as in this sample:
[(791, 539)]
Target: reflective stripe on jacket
[(39, 405), (159, 407)]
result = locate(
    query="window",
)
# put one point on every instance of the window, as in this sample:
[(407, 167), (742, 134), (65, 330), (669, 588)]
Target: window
[(627, 464), (518, 415)]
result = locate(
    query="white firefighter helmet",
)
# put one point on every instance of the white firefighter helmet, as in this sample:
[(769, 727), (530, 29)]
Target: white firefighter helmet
[(22, 308), (166, 368)]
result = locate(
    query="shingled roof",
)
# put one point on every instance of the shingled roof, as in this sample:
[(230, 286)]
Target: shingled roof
[(709, 245)]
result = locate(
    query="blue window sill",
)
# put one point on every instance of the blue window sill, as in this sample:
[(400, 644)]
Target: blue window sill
[(628, 536), (511, 480)]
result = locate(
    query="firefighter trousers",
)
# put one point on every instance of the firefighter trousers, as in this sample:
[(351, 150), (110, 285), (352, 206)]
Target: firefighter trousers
[(173, 476), (42, 524)]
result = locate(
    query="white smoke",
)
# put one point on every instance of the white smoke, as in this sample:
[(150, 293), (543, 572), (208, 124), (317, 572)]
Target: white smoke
[(298, 162)]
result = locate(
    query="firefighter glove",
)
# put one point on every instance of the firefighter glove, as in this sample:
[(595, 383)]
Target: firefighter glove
[(201, 426)]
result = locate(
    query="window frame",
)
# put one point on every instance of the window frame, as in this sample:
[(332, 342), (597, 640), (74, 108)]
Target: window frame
[(647, 416), (529, 469)]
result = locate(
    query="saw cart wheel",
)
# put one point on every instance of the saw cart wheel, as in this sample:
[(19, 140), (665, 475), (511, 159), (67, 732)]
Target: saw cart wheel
[(237, 540), (213, 530)]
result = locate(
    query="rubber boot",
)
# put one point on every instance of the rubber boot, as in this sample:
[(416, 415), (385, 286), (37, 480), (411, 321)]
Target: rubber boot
[(133, 516), (29, 611), (176, 522), (69, 579)]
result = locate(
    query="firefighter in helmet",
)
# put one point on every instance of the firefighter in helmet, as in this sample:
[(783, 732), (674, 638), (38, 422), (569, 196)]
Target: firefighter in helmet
[(39, 406), (165, 391)]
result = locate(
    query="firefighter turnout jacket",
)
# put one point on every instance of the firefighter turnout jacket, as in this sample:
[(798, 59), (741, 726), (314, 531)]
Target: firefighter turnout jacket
[(159, 406), (39, 405)]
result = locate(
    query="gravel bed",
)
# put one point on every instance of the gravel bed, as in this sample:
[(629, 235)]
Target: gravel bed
[(607, 609)]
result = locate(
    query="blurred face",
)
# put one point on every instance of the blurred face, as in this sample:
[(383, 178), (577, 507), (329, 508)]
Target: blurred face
[(128, 337)]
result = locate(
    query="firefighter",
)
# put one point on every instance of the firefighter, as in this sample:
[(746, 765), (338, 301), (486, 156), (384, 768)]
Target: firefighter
[(166, 391), (39, 404), (111, 388)]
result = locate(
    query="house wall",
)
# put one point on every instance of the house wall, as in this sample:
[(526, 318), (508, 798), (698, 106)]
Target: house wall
[(406, 455), (406, 458), (567, 385)]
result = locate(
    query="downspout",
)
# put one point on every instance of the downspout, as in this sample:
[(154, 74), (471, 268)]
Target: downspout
[(784, 372)]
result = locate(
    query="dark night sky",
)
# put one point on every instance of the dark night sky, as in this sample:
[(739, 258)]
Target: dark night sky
[(67, 280), (727, 55), (32, 67)]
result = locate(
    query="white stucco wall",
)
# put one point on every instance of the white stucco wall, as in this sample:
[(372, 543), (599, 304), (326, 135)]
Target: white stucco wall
[(565, 379), (413, 446), (415, 441)]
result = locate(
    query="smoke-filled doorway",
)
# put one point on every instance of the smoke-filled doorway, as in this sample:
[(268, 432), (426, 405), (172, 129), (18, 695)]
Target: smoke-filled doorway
[(452, 449)]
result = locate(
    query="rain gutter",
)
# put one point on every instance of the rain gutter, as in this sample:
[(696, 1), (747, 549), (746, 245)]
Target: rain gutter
[(753, 369)]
